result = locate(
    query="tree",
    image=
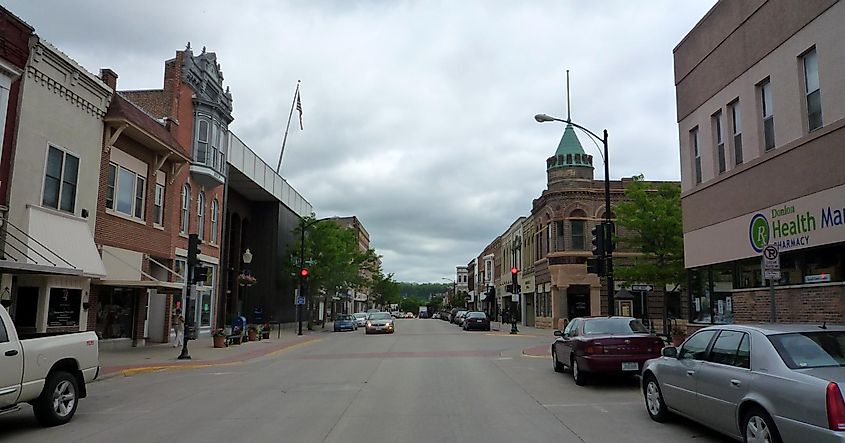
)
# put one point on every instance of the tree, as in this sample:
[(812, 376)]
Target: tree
[(652, 221), (334, 260), (383, 289)]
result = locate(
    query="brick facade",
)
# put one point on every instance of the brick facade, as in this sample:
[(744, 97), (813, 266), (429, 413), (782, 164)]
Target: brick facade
[(814, 304)]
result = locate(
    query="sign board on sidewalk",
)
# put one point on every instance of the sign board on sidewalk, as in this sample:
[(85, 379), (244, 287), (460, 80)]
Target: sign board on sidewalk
[(646, 288), (771, 262)]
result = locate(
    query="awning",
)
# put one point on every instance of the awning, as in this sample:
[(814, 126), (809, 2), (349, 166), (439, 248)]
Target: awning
[(69, 239), (145, 284), (19, 267)]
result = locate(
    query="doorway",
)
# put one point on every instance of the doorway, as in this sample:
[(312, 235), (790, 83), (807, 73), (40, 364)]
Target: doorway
[(578, 301)]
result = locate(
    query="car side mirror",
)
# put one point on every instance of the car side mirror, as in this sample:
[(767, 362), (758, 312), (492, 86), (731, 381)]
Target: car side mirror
[(558, 334), (669, 351)]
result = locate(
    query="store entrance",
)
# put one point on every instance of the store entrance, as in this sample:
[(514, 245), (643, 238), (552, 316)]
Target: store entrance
[(578, 301)]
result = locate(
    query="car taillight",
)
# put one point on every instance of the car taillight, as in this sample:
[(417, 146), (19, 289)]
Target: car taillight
[(594, 349), (835, 408)]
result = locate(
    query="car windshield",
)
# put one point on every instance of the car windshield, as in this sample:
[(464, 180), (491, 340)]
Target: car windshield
[(380, 316), (811, 349), (614, 326), (462, 312), (477, 315), (344, 317)]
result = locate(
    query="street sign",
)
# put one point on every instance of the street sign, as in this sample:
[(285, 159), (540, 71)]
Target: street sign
[(515, 297), (645, 288), (300, 300), (771, 263)]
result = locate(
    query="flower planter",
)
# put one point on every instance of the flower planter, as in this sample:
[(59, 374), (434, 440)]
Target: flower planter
[(219, 341), (265, 335), (252, 334)]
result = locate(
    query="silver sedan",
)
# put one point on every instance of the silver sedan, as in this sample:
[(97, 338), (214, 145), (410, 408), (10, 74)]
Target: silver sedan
[(756, 383)]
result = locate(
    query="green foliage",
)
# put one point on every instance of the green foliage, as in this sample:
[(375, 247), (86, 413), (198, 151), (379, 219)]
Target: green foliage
[(383, 289), (652, 221), (422, 290)]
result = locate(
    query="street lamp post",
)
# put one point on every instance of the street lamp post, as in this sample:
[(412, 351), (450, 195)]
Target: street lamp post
[(455, 289), (608, 252), (247, 259)]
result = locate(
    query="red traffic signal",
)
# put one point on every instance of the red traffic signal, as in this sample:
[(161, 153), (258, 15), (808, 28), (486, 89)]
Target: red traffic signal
[(303, 272), (514, 271)]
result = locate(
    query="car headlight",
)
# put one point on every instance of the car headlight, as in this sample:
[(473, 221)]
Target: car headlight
[(369, 324)]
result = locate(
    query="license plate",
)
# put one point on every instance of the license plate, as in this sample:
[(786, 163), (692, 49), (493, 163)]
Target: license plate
[(630, 366), (378, 328)]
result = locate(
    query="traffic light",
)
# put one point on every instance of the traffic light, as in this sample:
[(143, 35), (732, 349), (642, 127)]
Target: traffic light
[(303, 272), (609, 230), (200, 274), (595, 265), (193, 249), (598, 239), (514, 273)]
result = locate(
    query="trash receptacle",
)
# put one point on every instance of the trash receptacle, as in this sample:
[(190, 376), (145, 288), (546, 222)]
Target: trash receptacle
[(238, 325), (191, 332)]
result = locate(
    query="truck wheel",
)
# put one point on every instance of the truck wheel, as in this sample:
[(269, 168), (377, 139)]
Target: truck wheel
[(58, 401)]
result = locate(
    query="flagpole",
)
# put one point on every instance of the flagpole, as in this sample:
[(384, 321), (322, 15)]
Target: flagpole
[(285, 139)]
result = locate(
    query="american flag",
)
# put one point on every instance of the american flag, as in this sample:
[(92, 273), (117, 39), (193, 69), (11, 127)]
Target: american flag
[(299, 108)]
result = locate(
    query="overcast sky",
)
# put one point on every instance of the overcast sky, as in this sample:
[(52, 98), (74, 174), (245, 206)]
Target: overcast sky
[(418, 115)]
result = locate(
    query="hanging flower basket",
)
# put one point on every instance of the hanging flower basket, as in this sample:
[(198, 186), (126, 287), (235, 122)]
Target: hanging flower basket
[(246, 280)]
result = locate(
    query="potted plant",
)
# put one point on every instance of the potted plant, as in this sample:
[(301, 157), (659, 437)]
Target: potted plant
[(219, 337), (252, 333), (265, 331), (246, 280)]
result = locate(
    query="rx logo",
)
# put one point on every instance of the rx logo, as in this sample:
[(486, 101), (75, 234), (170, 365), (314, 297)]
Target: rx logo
[(758, 232)]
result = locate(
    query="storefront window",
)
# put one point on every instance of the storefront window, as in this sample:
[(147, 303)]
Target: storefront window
[(115, 313)]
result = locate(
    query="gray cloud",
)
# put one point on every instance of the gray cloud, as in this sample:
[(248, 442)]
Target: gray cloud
[(418, 115)]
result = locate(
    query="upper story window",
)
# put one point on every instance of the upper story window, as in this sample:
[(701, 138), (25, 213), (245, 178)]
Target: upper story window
[(126, 191), (210, 142), (765, 92), (201, 215), (576, 229), (560, 244), (719, 137), (60, 178), (736, 127), (696, 154), (811, 89), (215, 207), (184, 213), (158, 207)]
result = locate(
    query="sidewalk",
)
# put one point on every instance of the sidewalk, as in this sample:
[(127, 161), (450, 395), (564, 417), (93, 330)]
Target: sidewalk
[(160, 357)]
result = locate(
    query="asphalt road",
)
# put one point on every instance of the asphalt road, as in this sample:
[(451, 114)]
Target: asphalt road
[(429, 381)]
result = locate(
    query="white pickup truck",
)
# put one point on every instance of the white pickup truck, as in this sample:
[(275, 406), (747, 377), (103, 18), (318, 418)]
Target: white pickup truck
[(49, 373)]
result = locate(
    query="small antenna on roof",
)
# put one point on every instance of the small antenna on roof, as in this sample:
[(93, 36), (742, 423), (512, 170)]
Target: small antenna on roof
[(824, 325)]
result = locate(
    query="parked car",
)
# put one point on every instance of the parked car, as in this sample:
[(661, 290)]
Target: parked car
[(434, 316), (784, 382), (49, 373), (476, 320), (345, 322), (395, 314), (459, 317), (360, 319), (608, 345), (380, 322), (408, 315), (452, 314)]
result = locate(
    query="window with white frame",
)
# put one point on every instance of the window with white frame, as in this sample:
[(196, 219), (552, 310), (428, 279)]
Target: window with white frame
[(184, 221), (215, 207), (158, 207), (765, 92), (811, 90), (696, 154), (202, 141), (126, 191), (60, 179), (719, 137), (201, 215), (736, 128)]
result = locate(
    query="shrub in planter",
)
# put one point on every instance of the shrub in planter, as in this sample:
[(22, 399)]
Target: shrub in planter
[(252, 333), (219, 337)]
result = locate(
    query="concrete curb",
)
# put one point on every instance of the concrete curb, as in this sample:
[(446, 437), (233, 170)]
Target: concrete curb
[(111, 372)]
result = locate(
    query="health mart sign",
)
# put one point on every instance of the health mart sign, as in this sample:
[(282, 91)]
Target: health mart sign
[(813, 220)]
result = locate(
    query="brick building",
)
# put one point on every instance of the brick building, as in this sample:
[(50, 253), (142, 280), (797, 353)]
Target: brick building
[(761, 119), (197, 110), (139, 160)]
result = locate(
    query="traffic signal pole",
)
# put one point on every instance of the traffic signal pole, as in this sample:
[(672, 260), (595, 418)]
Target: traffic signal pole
[(301, 278), (607, 232), (193, 253)]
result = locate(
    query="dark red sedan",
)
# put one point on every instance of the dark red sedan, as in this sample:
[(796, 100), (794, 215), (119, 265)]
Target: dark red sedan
[(476, 320), (608, 345)]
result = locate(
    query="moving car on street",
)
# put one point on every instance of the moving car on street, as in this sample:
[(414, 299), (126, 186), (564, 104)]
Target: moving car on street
[(766, 383), (49, 373), (345, 322), (608, 345), (459, 317), (380, 322), (360, 319), (476, 320)]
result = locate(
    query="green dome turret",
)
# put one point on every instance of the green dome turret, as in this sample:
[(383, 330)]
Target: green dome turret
[(570, 153)]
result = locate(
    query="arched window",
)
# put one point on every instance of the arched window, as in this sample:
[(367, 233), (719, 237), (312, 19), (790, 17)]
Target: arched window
[(186, 205), (214, 209), (577, 224), (201, 215)]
